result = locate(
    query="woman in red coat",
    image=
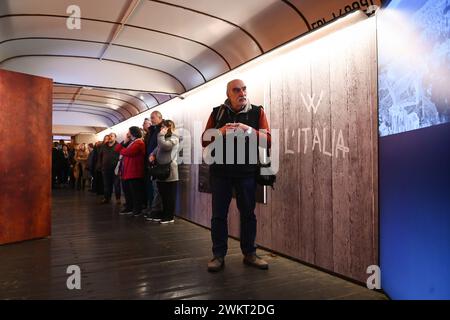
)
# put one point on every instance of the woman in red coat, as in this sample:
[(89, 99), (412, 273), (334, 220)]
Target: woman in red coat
[(132, 150)]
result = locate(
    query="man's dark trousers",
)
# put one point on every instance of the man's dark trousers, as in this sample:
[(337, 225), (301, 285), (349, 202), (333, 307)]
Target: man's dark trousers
[(110, 180), (221, 188)]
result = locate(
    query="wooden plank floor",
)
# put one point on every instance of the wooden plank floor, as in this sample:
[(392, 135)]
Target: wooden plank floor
[(128, 258)]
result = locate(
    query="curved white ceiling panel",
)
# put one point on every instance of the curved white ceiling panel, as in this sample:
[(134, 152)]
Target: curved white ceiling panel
[(73, 130), (126, 98), (92, 105), (92, 72), (187, 74), (124, 109), (209, 62), (238, 47), (80, 109), (117, 104), (13, 27), (72, 118), (131, 55), (22, 47), (97, 9), (267, 22)]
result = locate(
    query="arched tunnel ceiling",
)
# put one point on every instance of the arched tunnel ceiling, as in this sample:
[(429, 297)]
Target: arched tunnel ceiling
[(131, 55)]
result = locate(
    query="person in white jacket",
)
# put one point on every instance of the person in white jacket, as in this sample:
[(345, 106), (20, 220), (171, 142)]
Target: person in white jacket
[(166, 152)]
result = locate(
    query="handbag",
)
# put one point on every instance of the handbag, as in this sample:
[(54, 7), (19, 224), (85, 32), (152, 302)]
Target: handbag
[(117, 169), (159, 171)]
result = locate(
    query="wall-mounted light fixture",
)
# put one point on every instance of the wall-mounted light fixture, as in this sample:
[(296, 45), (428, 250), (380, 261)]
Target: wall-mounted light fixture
[(372, 10)]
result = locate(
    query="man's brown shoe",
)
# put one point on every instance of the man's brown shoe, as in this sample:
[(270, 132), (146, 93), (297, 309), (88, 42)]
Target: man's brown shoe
[(216, 264), (255, 261)]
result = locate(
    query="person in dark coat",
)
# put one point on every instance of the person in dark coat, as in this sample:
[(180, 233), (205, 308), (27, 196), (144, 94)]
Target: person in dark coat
[(65, 164), (110, 157), (98, 166), (154, 201), (55, 164), (72, 163)]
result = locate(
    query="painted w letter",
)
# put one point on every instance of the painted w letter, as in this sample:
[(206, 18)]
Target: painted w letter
[(310, 105)]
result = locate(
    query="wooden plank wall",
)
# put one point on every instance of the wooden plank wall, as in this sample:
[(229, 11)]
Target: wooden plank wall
[(324, 208), (25, 156)]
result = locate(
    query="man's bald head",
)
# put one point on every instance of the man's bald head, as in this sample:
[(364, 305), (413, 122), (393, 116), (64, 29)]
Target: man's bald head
[(156, 117), (237, 93)]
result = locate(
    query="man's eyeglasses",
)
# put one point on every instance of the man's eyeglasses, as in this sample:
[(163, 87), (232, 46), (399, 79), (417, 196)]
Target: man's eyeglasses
[(237, 90)]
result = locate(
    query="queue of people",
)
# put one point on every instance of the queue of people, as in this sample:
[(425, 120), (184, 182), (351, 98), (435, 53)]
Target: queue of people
[(146, 195), (109, 167), (128, 165), (63, 161)]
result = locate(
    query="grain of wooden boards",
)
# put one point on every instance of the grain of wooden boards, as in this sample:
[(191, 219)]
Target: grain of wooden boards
[(324, 208)]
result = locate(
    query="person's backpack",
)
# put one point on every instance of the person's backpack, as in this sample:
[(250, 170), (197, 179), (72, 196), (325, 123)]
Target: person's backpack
[(267, 179)]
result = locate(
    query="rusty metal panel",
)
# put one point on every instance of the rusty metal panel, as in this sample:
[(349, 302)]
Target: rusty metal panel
[(25, 156)]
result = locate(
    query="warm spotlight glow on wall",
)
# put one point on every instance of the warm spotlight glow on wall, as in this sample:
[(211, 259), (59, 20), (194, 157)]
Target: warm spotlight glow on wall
[(254, 73)]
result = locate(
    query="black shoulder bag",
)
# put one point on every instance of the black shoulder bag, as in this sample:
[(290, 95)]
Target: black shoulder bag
[(159, 171), (268, 178)]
